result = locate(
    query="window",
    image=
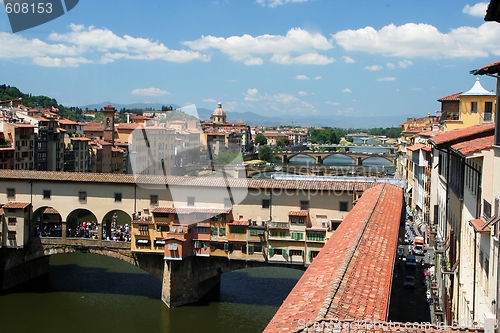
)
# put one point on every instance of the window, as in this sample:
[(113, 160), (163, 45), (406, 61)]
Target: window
[(335, 225), (316, 236), (296, 253), (46, 194), (343, 206), (313, 254), (256, 232), (214, 231), (237, 230), (222, 232), (304, 204), (297, 235), (82, 197), (473, 107), (118, 197), (162, 228), (486, 210), (227, 203), (173, 246), (222, 217), (488, 109), (11, 220), (201, 230), (11, 193), (293, 219), (266, 203), (282, 234), (190, 201), (302, 220), (153, 199), (11, 235), (142, 227), (278, 252)]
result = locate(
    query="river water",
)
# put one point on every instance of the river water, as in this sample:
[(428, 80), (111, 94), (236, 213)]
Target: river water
[(91, 293)]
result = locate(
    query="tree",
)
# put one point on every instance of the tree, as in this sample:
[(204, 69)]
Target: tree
[(227, 157), (260, 139), (283, 142), (265, 153)]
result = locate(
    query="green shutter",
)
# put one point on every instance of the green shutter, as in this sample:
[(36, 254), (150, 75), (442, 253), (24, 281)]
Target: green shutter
[(284, 252), (226, 247), (271, 252), (212, 247), (250, 249)]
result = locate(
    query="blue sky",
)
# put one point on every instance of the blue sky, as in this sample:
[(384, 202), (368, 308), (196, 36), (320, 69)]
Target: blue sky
[(272, 57)]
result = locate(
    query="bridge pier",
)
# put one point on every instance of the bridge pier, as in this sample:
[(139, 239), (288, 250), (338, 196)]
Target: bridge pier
[(319, 160), (18, 266), (284, 159), (188, 280), (359, 161)]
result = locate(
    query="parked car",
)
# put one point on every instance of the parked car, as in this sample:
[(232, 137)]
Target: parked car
[(409, 281), (411, 262), (401, 252)]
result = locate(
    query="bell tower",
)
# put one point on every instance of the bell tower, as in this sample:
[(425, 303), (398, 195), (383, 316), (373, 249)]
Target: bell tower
[(109, 124)]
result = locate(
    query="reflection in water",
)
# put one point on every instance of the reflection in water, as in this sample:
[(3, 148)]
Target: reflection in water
[(92, 293)]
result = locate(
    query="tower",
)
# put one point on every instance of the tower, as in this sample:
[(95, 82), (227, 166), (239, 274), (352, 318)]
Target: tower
[(109, 123)]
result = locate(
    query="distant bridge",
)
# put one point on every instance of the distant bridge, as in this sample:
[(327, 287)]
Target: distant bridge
[(319, 157)]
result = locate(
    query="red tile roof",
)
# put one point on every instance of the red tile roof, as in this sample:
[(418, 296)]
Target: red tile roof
[(50, 210), (491, 68), (343, 281), (237, 222), (471, 146), (16, 205), (454, 97), (461, 134), (185, 210), (202, 182), (298, 213), (480, 226)]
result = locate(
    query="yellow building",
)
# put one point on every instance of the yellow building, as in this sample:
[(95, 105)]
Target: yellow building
[(474, 107)]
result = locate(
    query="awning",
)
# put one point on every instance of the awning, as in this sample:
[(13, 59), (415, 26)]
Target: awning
[(142, 241)]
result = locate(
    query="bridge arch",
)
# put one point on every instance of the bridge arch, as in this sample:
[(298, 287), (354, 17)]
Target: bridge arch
[(47, 222), (390, 159), (81, 222), (116, 224)]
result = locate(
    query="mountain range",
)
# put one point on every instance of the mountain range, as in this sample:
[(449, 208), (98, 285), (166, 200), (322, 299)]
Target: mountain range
[(252, 118)]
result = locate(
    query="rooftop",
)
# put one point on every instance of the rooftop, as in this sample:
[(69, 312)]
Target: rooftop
[(460, 134)]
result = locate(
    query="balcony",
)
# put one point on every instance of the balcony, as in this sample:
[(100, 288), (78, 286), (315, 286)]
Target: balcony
[(278, 225)]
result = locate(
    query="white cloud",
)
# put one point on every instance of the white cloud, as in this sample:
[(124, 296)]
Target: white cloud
[(348, 60), (253, 61), (149, 92), (400, 64), (385, 79), (346, 112), (346, 90), (317, 78), (83, 45), (303, 93), (477, 10), (276, 3), (280, 102), (302, 77), (423, 40), (373, 68), (306, 59), (60, 62), (209, 100), (332, 103), (242, 48)]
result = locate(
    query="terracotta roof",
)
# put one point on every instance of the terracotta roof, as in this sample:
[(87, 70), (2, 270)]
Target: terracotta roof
[(471, 146), (416, 147), (454, 97), (128, 126), (171, 181), (298, 213), (461, 134), (80, 138), (186, 210), (65, 121), (50, 210), (491, 68), (177, 238), (203, 224), (237, 222), (344, 282), (480, 226), (16, 205)]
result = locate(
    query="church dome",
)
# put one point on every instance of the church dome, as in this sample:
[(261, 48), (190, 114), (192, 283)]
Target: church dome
[(219, 111)]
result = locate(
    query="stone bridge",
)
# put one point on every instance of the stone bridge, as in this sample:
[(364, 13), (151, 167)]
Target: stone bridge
[(319, 157), (183, 281)]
